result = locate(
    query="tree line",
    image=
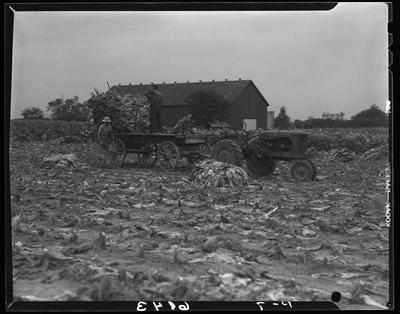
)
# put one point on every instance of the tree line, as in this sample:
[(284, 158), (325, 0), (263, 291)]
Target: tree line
[(371, 117), (66, 110), (207, 106)]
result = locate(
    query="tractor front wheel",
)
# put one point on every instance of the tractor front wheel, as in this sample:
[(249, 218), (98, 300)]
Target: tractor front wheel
[(302, 170)]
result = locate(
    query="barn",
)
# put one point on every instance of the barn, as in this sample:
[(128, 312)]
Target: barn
[(248, 104)]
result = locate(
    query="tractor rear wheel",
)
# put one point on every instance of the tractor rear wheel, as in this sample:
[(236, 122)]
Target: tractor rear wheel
[(228, 151), (260, 165), (302, 170)]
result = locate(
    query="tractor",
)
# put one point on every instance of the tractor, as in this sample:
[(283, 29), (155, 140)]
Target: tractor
[(262, 149)]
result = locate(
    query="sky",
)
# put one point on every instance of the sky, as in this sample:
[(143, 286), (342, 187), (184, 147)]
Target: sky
[(310, 62)]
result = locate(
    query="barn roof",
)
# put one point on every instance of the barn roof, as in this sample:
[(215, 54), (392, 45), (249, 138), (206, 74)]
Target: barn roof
[(176, 93)]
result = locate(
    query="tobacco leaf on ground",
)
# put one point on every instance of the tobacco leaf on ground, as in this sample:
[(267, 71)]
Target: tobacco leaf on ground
[(129, 233)]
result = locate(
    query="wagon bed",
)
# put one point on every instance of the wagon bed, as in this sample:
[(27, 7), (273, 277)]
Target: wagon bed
[(161, 148)]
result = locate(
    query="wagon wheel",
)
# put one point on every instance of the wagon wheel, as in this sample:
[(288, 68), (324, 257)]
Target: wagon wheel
[(302, 170), (149, 156), (168, 155), (118, 152)]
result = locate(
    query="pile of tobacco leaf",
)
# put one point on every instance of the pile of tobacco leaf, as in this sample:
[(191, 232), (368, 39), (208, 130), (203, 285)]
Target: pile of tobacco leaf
[(128, 113), (212, 173)]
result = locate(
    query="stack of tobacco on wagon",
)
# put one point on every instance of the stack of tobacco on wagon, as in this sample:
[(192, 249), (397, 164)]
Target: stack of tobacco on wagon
[(184, 125), (211, 173), (128, 113)]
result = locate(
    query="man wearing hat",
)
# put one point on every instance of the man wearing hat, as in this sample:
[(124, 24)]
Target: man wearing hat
[(105, 136), (155, 98)]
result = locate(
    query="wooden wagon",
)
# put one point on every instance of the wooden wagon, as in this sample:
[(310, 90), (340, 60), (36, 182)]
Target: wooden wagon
[(163, 149)]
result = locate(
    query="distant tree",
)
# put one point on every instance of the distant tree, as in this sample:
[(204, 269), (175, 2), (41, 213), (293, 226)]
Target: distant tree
[(57, 109), (68, 110), (325, 115), (282, 121), (32, 113), (333, 116), (207, 106), (340, 116), (327, 120), (372, 117), (298, 124), (76, 110)]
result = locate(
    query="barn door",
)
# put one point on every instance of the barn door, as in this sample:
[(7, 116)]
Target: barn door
[(250, 124)]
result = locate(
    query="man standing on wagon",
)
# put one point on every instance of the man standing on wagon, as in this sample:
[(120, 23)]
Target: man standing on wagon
[(155, 98)]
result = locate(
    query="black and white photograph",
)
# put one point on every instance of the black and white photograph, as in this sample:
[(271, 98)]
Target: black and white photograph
[(201, 155)]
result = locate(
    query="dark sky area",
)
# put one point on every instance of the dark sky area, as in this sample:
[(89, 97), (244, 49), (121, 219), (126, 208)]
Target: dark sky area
[(310, 62)]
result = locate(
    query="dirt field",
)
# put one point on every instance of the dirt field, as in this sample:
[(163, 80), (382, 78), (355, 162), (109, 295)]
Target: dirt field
[(144, 234)]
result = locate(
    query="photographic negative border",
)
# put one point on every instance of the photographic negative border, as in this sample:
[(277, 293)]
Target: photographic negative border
[(9, 10)]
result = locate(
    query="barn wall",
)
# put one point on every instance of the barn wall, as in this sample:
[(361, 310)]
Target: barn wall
[(170, 115), (249, 105)]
